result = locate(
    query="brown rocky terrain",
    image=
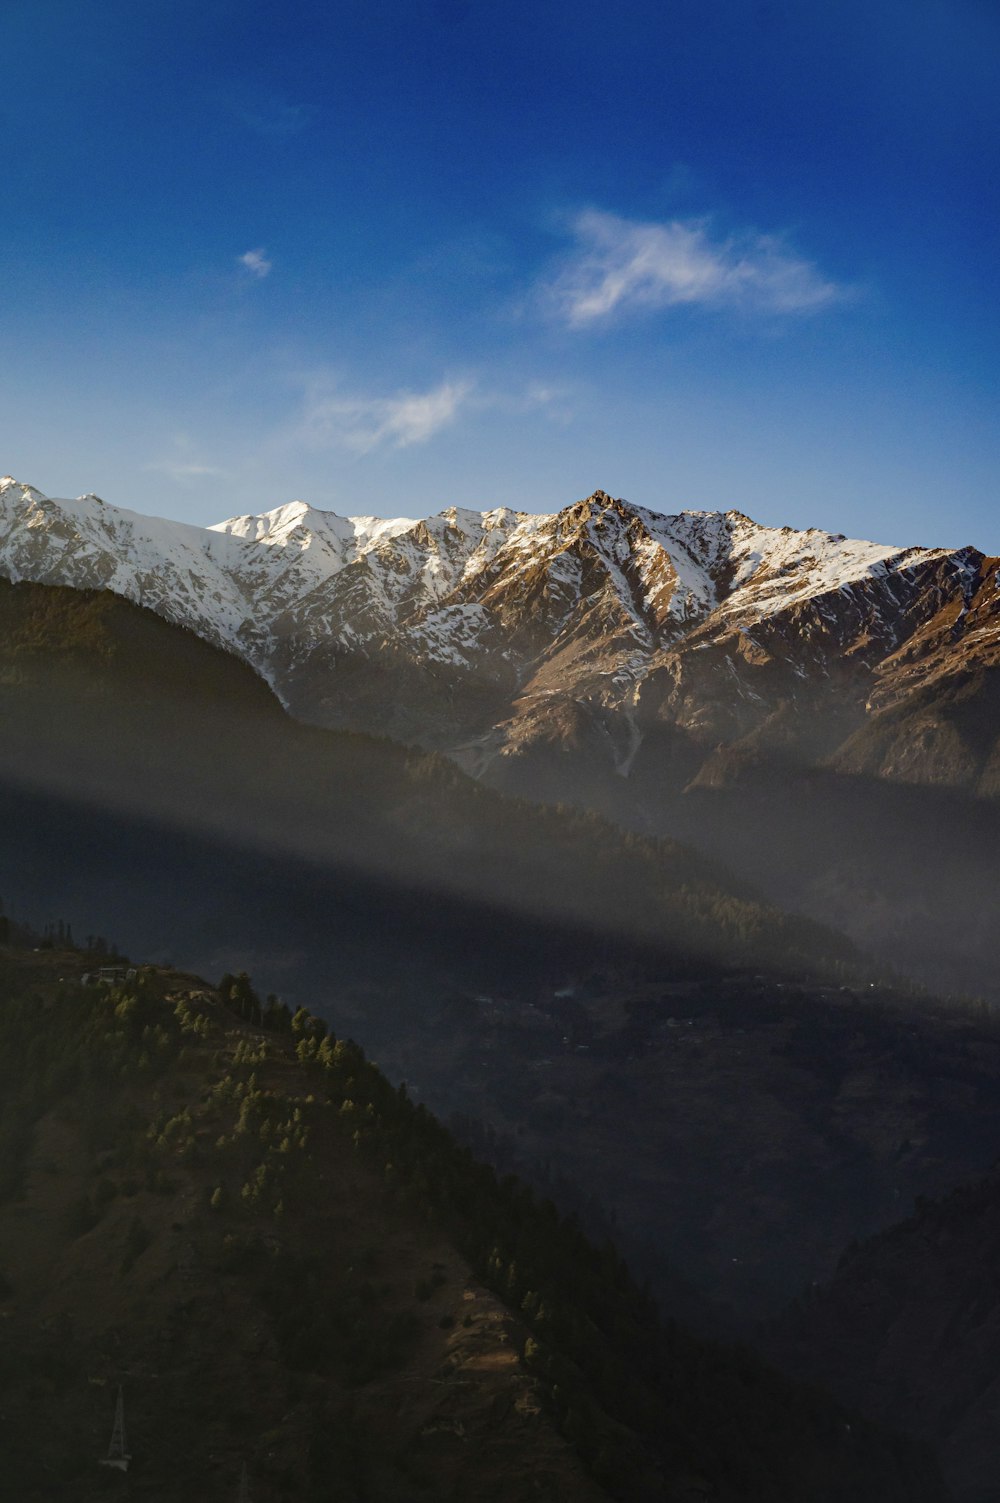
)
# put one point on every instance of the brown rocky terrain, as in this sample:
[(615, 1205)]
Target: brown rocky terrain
[(509, 639)]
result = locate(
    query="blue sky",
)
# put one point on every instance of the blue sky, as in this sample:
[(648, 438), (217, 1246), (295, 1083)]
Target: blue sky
[(393, 255)]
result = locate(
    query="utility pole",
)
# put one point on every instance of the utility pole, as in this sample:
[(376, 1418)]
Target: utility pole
[(243, 1496), (118, 1453)]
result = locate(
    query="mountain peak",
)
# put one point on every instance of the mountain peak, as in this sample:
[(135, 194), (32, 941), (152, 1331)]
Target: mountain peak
[(9, 483), (581, 603)]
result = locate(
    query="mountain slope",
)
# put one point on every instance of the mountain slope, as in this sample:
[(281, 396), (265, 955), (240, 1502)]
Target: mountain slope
[(910, 1328), (301, 1340), (111, 707), (286, 1264)]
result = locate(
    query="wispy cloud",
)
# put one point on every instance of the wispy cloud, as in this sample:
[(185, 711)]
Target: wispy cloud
[(332, 419), (554, 402), (624, 266), (185, 472), (256, 263)]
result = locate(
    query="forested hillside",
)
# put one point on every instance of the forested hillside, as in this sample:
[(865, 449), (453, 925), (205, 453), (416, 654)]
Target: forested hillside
[(215, 1203)]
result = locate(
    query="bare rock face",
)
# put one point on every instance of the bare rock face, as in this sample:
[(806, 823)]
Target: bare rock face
[(560, 655), (935, 700)]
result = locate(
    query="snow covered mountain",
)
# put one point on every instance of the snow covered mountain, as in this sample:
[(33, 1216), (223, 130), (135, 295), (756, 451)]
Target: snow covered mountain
[(627, 638)]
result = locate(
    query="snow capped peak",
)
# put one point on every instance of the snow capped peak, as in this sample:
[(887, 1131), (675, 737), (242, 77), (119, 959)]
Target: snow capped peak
[(501, 516), (710, 543), (292, 521), (8, 485), (596, 591), (264, 526), (463, 517)]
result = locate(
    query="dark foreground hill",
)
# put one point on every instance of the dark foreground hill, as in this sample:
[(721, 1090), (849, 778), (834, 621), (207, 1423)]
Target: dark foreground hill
[(910, 1328), (285, 1264)]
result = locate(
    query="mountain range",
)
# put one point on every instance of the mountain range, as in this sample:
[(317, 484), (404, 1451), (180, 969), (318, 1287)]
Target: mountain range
[(500, 637), (817, 712)]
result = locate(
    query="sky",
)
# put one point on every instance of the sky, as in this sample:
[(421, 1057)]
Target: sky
[(389, 256)]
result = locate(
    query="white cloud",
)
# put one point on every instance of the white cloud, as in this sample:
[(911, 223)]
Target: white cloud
[(363, 423), (184, 472), (256, 263), (625, 265), (554, 402)]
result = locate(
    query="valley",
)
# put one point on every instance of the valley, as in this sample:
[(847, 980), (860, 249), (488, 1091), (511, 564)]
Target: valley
[(683, 995), (735, 1133)]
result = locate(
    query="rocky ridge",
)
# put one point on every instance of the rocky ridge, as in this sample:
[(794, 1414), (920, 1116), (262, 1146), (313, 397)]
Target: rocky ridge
[(504, 637)]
